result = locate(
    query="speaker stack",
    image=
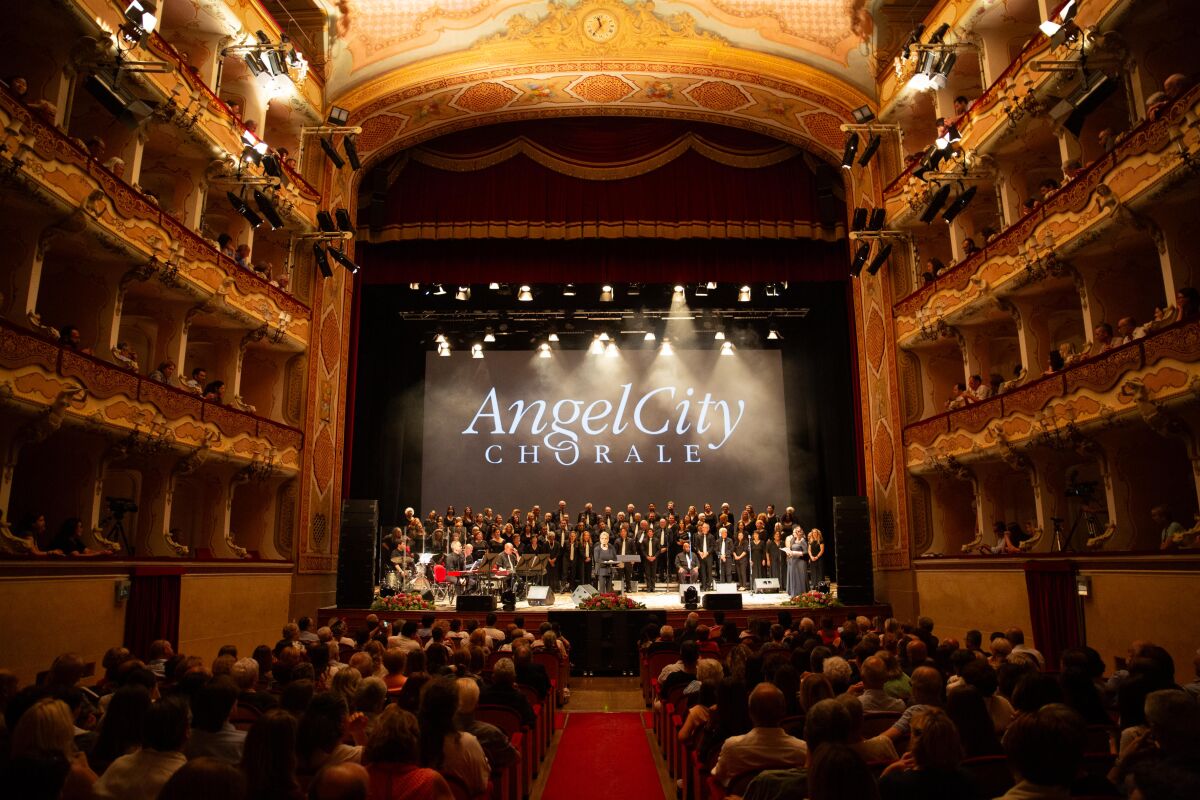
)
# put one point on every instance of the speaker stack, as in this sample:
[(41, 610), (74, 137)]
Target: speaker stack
[(722, 601), (356, 553), (475, 603), (766, 585), (852, 547)]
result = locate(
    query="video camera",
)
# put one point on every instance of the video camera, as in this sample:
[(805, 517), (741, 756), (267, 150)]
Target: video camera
[(120, 506)]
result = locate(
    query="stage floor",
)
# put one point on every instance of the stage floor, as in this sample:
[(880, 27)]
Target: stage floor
[(661, 601)]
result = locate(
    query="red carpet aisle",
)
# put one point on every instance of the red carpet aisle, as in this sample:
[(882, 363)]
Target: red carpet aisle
[(601, 757)]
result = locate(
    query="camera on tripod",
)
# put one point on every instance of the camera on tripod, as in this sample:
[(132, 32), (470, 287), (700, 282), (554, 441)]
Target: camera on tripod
[(120, 506), (1084, 490)]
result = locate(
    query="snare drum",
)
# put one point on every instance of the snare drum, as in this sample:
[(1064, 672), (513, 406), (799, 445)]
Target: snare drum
[(419, 584)]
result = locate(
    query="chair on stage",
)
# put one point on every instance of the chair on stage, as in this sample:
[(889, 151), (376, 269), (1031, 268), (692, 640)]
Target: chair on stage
[(443, 588)]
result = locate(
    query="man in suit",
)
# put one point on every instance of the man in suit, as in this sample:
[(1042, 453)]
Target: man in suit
[(687, 564), (704, 549), (723, 553), (601, 554), (661, 538), (554, 550), (588, 517), (625, 546), (645, 546)]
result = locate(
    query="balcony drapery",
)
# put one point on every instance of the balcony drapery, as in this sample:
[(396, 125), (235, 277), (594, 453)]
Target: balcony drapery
[(152, 610)]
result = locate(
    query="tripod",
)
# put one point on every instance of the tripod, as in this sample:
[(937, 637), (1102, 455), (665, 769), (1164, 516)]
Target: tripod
[(117, 532), (1087, 515)]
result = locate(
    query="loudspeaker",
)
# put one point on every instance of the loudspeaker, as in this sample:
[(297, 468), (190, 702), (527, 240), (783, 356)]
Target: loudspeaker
[(724, 602), (852, 547), (357, 546), (475, 602), (540, 596), (766, 584), (725, 588), (583, 592)]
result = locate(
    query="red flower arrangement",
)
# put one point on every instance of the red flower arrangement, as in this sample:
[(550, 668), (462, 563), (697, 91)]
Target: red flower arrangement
[(814, 599), (610, 602), (402, 602)]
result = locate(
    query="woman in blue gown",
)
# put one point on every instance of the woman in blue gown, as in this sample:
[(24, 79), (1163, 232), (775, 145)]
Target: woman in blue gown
[(797, 563)]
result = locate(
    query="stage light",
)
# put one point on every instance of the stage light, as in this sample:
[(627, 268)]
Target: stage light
[(927, 62), (914, 36), (726, 348), (711, 285), (666, 349), (611, 350), (275, 63), (239, 205), (444, 350), (878, 217), (330, 153), (544, 350), (596, 347), (744, 294), (691, 598), (345, 261), (859, 220), (322, 260), (959, 205), (488, 336), (344, 222), (414, 287), (439, 290), (719, 335), (939, 33), (141, 14), (879, 259), (606, 293), (1050, 27), (773, 334), (863, 114), (553, 337), (476, 351), (649, 337), (525, 294), (680, 290), (942, 70), (603, 336), (772, 289), (495, 287), (256, 65), (268, 210), (440, 338), (860, 258), (569, 290), (702, 290), (350, 147), (872, 146), (337, 116), (849, 151), (463, 294), (935, 204), (325, 222)]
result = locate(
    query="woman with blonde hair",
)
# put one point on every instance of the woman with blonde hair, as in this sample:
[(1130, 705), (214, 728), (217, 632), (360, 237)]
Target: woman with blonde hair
[(46, 730), (816, 549)]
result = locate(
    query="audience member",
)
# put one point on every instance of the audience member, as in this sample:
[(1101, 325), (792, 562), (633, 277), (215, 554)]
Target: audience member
[(931, 767), (204, 779), (766, 746), (141, 774)]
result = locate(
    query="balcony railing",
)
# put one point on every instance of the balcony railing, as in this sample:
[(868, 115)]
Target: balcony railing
[(22, 348), (1099, 373)]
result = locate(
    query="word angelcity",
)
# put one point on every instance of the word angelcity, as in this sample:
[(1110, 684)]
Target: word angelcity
[(557, 424)]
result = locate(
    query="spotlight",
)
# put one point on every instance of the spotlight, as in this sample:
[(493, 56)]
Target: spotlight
[(275, 63), (596, 347), (860, 258), (691, 598), (711, 285), (268, 210), (476, 351), (140, 14), (772, 290), (444, 350), (351, 149), (463, 294), (872, 146), (878, 215), (322, 260), (959, 205), (330, 153), (863, 114), (255, 64), (553, 337), (439, 290), (719, 335), (935, 204), (239, 205), (611, 350), (337, 116), (850, 150), (1050, 27), (927, 63), (544, 350), (944, 66), (666, 349), (879, 259), (606, 293), (325, 222), (913, 37), (488, 336), (525, 294), (569, 290), (603, 336), (679, 290), (649, 337), (726, 348), (440, 338), (744, 294), (345, 261), (859, 221), (939, 33), (495, 287), (344, 222), (773, 334), (702, 290)]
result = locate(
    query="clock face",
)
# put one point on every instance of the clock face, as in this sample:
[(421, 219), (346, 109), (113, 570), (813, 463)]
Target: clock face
[(600, 26)]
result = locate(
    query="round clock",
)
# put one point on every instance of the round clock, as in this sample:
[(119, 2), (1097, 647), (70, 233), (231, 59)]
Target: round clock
[(600, 26)]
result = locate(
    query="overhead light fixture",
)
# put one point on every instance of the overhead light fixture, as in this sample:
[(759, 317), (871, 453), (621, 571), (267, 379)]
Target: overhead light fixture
[(849, 151), (719, 335), (255, 64), (878, 217), (935, 203), (463, 294), (476, 351), (440, 338), (488, 336), (1050, 27), (872, 147), (345, 261), (633, 289), (927, 62), (331, 153), (603, 336), (525, 294), (665, 348), (611, 350), (860, 258), (939, 33), (701, 290), (773, 334), (880, 258), (239, 205), (438, 289), (553, 337), (960, 204), (325, 221), (350, 147), (322, 260), (444, 350), (863, 114), (859, 220), (142, 14), (569, 290), (649, 337), (606, 293), (914, 36), (338, 116), (944, 67), (544, 350), (679, 290), (344, 222), (275, 63), (596, 348), (744, 294), (268, 210), (726, 348), (495, 287)]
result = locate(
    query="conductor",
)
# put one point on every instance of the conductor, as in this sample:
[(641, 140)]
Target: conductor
[(602, 554)]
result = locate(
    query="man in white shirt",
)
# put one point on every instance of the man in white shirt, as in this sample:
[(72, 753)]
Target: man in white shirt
[(407, 640), (978, 390), (141, 775), (212, 734), (495, 634), (767, 745)]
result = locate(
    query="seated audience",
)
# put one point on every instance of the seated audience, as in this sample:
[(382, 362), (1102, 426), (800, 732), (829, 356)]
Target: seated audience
[(140, 775), (455, 754), (212, 734), (931, 767), (766, 746), (393, 756)]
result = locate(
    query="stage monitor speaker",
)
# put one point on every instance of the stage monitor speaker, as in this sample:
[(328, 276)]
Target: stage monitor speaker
[(475, 602), (357, 546), (766, 584), (583, 592), (725, 588), (722, 601), (540, 596), (852, 548)]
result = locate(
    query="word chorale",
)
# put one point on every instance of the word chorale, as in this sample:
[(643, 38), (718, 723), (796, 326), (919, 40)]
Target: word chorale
[(562, 426)]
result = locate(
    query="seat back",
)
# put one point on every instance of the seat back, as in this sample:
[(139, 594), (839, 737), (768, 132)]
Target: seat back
[(495, 656), (549, 661), (992, 775), (505, 718), (531, 695), (660, 660), (876, 722), (439, 573), (243, 717)]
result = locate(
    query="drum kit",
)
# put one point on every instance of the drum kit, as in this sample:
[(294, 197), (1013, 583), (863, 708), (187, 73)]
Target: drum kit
[(409, 575)]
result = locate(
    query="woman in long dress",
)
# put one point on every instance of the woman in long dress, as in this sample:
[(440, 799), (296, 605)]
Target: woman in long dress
[(797, 564), (741, 559), (758, 558), (816, 549)]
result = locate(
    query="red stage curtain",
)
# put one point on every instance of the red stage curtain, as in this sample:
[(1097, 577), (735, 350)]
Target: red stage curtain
[(1053, 608), (152, 610), (608, 179)]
